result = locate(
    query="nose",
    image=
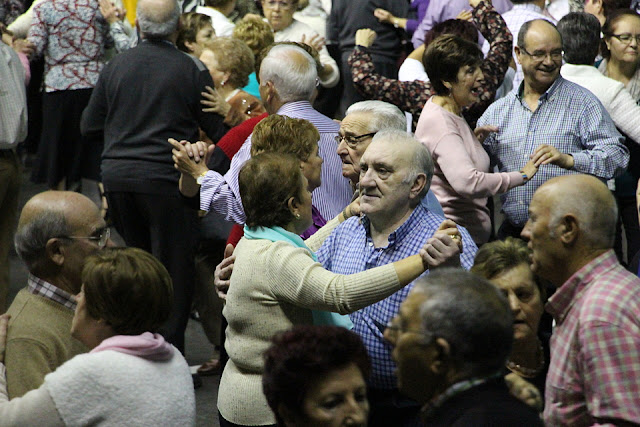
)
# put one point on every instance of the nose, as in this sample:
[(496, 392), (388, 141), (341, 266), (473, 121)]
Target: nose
[(366, 178), (479, 75), (342, 147), (355, 413), (526, 233), (514, 302)]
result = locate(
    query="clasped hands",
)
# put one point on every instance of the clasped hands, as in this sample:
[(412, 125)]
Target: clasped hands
[(443, 249), (190, 158)]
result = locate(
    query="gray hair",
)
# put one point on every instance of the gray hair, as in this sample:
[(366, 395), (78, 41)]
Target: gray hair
[(472, 315), (157, 20), (294, 80), (385, 115), (31, 238), (421, 161)]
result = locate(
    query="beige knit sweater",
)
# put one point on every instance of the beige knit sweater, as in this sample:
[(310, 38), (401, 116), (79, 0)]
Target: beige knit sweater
[(273, 287)]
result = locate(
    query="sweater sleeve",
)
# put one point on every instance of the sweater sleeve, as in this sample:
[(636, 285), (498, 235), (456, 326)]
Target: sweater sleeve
[(29, 410), (29, 361), (317, 239), (625, 112), (295, 278)]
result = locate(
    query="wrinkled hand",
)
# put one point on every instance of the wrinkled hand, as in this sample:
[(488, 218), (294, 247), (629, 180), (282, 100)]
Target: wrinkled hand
[(184, 154), (383, 16), (530, 169), (222, 274), (111, 13), (214, 102), (23, 46), (451, 228), (4, 324), (524, 391), (483, 132), (546, 154), (317, 42), (443, 249), (353, 209), (365, 37)]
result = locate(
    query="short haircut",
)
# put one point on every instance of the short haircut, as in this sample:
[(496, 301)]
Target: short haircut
[(421, 161), (581, 34), (307, 48), (445, 56), (304, 355), (524, 29), (190, 24), (255, 32), (609, 6), (267, 182), (282, 134), (472, 315), (610, 23), (158, 22), (293, 79), (31, 238), (459, 27), (496, 258), (233, 56), (383, 115), (128, 288)]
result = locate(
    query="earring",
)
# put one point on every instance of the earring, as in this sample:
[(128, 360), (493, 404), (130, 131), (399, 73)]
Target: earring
[(222, 83), (297, 216)]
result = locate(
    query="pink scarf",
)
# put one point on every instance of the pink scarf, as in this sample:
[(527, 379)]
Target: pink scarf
[(148, 346)]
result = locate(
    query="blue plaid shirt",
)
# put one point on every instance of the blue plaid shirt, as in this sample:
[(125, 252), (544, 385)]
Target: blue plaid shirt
[(570, 118), (349, 249)]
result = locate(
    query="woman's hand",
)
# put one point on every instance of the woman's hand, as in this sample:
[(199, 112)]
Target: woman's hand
[(187, 156), (4, 325), (524, 391), (222, 274), (530, 169), (365, 37), (317, 42), (383, 16), (352, 209), (464, 15), (444, 248), (214, 102), (111, 13), (483, 132)]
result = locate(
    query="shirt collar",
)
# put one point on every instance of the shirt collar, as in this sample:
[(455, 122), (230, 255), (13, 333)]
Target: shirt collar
[(548, 95), (291, 107), (561, 301), (37, 286), (401, 232)]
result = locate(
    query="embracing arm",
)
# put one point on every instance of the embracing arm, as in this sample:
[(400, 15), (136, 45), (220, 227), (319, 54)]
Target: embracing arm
[(625, 112)]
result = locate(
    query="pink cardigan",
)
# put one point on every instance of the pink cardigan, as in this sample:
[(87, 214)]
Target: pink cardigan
[(461, 181)]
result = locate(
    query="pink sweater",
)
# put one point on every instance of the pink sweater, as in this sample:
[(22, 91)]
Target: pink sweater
[(461, 180)]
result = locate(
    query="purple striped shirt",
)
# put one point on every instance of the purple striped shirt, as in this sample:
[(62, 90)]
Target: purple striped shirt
[(222, 193)]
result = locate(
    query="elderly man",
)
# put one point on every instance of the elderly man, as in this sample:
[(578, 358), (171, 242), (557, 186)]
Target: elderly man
[(143, 97), (57, 230), (287, 82), (594, 377), (452, 338), (363, 120), (395, 173), (560, 125)]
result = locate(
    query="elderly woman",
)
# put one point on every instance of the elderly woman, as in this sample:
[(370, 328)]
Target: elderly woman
[(315, 375), (131, 376), (277, 282), (506, 264), (461, 181), (257, 34), (194, 32), (230, 61)]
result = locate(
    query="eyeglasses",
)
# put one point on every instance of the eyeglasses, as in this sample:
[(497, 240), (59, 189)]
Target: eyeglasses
[(353, 141), (283, 4), (101, 239), (556, 55), (626, 38)]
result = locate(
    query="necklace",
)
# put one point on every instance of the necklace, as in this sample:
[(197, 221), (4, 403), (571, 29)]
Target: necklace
[(525, 372)]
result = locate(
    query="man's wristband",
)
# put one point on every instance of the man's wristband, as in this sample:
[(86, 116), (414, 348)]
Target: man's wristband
[(524, 176)]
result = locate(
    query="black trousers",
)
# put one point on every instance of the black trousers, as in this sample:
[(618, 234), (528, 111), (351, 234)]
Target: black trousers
[(166, 227)]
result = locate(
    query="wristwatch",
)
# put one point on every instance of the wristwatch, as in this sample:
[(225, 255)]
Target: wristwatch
[(200, 177)]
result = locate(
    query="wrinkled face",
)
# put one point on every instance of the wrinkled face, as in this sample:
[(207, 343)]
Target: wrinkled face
[(519, 286), (338, 399), (383, 169), (626, 52), (312, 169), (538, 232), (352, 127), (208, 58), (279, 13), (466, 89), (411, 353), (541, 65)]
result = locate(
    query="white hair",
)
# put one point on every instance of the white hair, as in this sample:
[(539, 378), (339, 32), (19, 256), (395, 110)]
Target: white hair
[(157, 20), (294, 80), (385, 115)]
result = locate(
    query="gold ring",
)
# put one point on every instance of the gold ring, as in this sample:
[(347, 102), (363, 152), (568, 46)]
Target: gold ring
[(455, 236)]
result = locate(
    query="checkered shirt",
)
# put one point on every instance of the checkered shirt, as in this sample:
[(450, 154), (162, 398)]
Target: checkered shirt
[(37, 286), (222, 193), (594, 374), (570, 118), (349, 249)]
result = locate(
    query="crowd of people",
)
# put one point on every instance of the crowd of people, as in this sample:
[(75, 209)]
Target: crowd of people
[(317, 182)]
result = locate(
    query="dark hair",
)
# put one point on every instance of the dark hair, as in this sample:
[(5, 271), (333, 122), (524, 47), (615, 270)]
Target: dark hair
[(233, 56), (282, 134), (304, 355), (580, 32), (607, 28), (459, 27), (190, 24), (445, 56), (128, 288), (524, 29), (216, 3), (610, 6), (498, 257), (267, 182)]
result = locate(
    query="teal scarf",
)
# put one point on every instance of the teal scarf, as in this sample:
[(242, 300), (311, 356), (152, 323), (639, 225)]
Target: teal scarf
[(279, 234)]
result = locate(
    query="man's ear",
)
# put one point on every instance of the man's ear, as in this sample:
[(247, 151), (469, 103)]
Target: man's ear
[(418, 185), (516, 50), (55, 250), (569, 229), (440, 363)]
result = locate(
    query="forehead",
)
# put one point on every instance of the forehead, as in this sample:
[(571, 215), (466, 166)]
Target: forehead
[(627, 23), (356, 123), (385, 152), (542, 36), (539, 202), (515, 277), (410, 308)]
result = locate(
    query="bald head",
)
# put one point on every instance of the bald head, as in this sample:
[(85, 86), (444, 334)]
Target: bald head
[(291, 70), (587, 199), (157, 19), (539, 28)]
